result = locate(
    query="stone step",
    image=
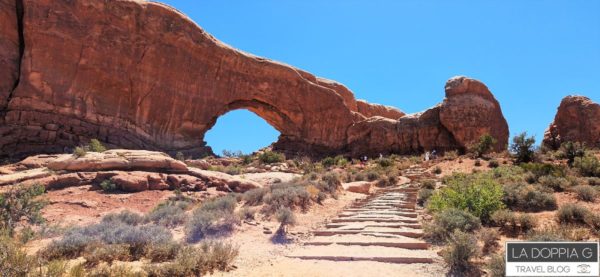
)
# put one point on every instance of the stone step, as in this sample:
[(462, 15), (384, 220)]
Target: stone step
[(365, 225), (340, 220), (405, 245), (335, 252), (410, 234)]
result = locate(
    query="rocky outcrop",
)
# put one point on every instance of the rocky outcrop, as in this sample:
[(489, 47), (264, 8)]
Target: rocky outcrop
[(129, 170), (577, 120), (141, 75)]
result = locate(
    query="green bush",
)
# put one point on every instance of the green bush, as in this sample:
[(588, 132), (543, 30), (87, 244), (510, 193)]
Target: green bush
[(461, 248), (428, 184), (588, 166), (484, 145), (328, 162), (269, 157), (585, 193), (481, 196), (19, 205), (286, 217), (522, 148), (531, 198), (572, 214), (96, 146), (108, 186), (287, 196), (446, 222), (543, 169), (437, 170), (340, 161)]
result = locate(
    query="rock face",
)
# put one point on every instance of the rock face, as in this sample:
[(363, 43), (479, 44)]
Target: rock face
[(577, 120), (141, 75)]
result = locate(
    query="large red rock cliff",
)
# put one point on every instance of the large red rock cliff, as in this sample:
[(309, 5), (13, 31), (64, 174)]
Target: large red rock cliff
[(577, 120), (139, 74)]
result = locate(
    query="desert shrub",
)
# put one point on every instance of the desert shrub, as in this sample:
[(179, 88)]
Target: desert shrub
[(255, 197), (385, 162), (571, 150), (19, 205), (108, 186), (197, 261), (446, 222), (54, 269), (340, 161), (331, 183), (372, 175), (360, 176), (246, 159), (269, 157), (95, 254), (96, 146), (213, 218), (179, 199), (451, 155), (125, 217), (386, 181), (233, 170), (588, 166), (532, 198), (477, 162), (162, 252), (180, 156), (493, 164), (79, 152), (558, 233), (593, 220), (287, 196), (231, 153), (480, 195), (13, 260), (513, 223), (572, 214), (544, 169), (555, 183), (593, 181), (484, 145), (166, 215), (489, 237), (286, 217), (522, 148), (497, 266), (328, 162), (137, 237), (585, 193), (437, 170), (424, 195), (428, 184), (247, 213), (461, 248)]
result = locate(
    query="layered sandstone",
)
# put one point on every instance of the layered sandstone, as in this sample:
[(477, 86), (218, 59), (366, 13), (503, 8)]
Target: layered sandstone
[(141, 75), (577, 120)]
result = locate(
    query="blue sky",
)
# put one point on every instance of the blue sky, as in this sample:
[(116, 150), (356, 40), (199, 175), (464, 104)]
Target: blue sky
[(400, 53)]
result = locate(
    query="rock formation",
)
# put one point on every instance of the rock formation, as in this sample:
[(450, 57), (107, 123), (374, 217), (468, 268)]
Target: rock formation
[(577, 120), (141, 75)]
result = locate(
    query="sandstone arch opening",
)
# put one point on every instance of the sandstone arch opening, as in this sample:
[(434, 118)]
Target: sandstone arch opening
[(240, 130)]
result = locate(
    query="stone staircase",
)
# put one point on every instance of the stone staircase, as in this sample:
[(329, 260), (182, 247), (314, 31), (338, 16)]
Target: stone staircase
[(384, 227)]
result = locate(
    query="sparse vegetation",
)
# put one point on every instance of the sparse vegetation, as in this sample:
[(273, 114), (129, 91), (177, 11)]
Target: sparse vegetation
[(213, 218), (532, 198), (489, 237), (79, 152), (13, 260), (497, 266), (513, 224), (269, 157), (585, 193), (572, 214), (571, 150), (167, 215), (96, 146), (108, 186), (197, 261), (588, 166)]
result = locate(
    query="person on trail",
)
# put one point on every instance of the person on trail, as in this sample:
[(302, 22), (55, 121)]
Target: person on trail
[(433, 154), (380, 156), (426, 156)]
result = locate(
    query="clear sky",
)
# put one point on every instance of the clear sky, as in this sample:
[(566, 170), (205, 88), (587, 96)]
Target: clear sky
[(400, 53)]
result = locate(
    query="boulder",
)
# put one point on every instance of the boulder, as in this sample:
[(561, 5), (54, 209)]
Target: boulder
[(223, 181), (577, 120), (363, 187)]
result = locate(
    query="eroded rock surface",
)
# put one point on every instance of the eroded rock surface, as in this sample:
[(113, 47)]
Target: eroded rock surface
[(577, 120), (141, 75)]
